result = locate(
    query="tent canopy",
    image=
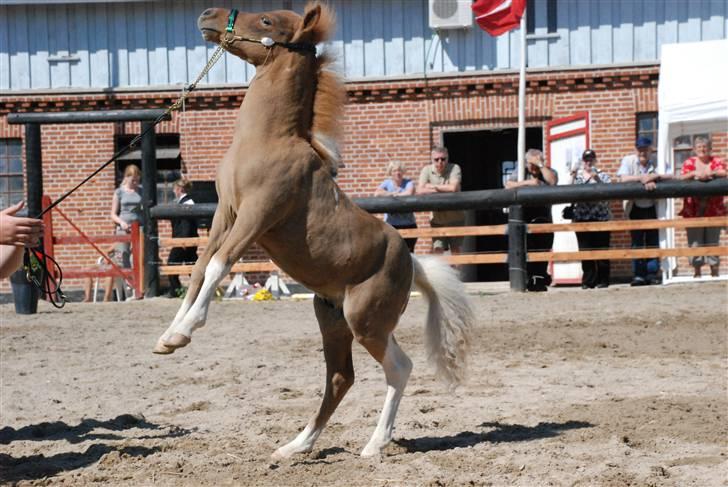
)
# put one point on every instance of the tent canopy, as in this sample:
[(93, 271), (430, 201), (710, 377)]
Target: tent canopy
[(692, 98), (692, 93)]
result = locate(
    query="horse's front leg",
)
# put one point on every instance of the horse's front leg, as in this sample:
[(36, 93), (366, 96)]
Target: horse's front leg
[(246, 229), (218, 232)]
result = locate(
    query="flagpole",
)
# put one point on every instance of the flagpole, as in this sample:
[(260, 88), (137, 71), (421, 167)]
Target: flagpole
[(522, 102)]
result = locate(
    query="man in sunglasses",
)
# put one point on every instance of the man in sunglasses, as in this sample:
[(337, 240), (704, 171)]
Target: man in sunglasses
[(443, 177)]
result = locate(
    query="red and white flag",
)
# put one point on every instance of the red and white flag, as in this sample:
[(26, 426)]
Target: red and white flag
[(497, 17)]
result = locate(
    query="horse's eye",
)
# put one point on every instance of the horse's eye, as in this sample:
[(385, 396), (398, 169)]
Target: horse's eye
[(266, 21)]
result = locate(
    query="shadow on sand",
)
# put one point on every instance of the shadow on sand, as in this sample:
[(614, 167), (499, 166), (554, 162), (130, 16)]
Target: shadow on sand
[(39, 466), (500, 433)]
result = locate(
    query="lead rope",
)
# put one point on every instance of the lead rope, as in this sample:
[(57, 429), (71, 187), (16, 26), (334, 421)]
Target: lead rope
[(35, 261)]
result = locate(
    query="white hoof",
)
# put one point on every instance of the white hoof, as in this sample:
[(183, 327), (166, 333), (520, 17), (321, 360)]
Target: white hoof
[(287, 452), (162, 349), (372, 450)]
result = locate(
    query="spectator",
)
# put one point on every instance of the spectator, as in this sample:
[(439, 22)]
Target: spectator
[(182, 228), (443, 177), (595, 273), (639, 166), (398, 185), (126, 208), (537, 174), (703, 167), (16, 233)]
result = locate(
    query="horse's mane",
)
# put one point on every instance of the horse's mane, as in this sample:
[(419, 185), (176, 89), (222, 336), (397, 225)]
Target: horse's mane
[(330, 97)]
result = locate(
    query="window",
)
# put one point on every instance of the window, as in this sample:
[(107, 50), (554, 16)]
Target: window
[(169, 163), (532, 11), (647, 127), (682, 149), (11, 172), (507, 168)]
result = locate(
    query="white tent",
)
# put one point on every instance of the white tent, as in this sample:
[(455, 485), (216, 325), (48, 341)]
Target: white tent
[(692, 98)]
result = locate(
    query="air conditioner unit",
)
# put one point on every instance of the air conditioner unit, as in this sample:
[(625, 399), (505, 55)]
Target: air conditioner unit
[(450, 14)]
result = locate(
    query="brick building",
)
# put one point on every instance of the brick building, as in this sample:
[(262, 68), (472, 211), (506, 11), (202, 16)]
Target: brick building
[(460, 90)]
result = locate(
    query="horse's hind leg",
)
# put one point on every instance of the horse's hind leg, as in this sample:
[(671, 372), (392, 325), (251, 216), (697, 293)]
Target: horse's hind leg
[(337, 339), (372, 310), (397, 367)]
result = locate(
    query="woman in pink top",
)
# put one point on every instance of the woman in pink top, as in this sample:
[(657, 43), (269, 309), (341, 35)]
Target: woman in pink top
[(703, 167)]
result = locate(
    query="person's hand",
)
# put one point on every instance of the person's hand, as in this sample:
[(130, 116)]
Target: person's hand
[(704, 175), (19, 231), (650, 186), (427, 188), (125, 226), (647, 179)]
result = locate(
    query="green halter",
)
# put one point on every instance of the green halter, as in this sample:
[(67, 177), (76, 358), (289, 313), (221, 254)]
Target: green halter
[(231, 20)]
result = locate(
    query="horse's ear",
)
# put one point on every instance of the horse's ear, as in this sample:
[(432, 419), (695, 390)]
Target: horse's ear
[(310, 21)]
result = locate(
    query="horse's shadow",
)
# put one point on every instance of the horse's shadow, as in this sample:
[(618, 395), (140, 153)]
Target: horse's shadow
[(59, 430), (500, 434), (31, 467)]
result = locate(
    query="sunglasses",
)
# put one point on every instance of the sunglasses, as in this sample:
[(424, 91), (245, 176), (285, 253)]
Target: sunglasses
[(439, 158)]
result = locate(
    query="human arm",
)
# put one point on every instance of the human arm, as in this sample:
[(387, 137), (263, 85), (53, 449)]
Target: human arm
[(19, 231), (716, 169), (382, 190), (452, 185), (424, 187), (11, 257), (648, 180), (510, 184), (706, 174), (550, 177)]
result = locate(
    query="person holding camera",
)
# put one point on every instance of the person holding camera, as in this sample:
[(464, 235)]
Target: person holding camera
[(537, 174), (595, 273)]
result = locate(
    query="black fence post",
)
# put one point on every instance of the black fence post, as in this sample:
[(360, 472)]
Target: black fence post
[(25, 294), (516, 249), (149, 200), (34, 169)]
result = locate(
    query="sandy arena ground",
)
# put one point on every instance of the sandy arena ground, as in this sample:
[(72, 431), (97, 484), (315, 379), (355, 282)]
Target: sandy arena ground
[(606, 387)]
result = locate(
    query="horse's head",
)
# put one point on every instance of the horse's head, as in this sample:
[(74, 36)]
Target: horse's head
[(256, 37)]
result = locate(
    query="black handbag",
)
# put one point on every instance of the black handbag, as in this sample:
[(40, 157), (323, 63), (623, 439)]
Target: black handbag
[(568, 212)]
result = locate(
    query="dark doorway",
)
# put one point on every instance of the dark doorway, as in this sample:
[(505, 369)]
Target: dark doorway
[(486, 158)]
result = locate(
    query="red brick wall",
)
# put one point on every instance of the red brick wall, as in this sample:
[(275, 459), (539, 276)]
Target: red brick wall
[(383, 121)]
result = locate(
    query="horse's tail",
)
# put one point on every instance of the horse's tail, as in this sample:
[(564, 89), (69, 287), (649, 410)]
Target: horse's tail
[(449, 317)]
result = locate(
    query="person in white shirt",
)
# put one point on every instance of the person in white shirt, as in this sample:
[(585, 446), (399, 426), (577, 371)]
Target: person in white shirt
[(640, 166)]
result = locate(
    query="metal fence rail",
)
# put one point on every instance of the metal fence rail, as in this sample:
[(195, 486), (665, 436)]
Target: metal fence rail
[(516, 229)]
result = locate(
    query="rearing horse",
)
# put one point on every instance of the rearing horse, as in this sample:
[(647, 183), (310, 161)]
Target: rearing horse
[(275, 187)]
